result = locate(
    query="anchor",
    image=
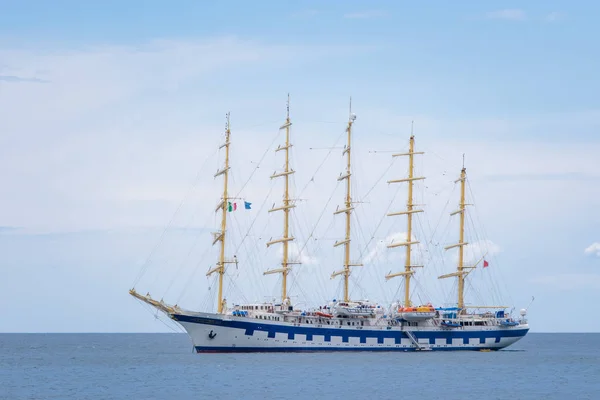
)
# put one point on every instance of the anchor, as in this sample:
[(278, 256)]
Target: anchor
[(212, 335)]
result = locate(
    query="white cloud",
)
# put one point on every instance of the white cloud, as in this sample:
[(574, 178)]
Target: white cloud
[(366, 14), (295, 254), (380, 252), (593, 249), (508, 14), (117, 133), (380, 248), (475, 251)]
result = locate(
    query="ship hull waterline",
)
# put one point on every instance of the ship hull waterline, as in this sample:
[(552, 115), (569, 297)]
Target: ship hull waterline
[(217, 333)]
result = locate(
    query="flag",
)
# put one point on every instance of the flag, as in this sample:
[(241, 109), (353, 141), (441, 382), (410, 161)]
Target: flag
[(247, 205), (232, 206), (485, 264)]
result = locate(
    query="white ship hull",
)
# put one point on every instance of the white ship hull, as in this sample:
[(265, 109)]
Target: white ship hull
[(224, 333)]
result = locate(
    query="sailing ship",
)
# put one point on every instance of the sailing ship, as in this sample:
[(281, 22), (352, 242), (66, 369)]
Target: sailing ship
[(344, 324)]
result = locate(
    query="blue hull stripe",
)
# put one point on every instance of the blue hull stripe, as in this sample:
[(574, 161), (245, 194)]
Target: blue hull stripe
[(250, 327), (207, 349)]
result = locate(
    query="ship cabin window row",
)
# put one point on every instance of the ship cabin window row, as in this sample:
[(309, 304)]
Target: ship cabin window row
[(269, 317), (264, 308)]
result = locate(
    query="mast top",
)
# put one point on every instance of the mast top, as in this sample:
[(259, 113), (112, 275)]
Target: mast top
[(352, 117)]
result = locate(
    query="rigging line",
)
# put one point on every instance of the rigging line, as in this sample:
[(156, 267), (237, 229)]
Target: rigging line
[(318, 282), (486, 235), (442, 213), (162, 236), (258, 164), (356, 285), (194, 271), (322, 286), (193, 247), (210, 296), (257, 125), (326, 122), (368, 242), (255, 219), (380, 178), (439, 253), (253, 254), (234, 286), (297, 284), (204, 255), (424, 253), (321, 165), (180, 329), (153, 310), (320, 216), (381, 221)]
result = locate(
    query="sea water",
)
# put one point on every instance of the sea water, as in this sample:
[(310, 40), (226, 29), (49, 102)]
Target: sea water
[(163, 366)]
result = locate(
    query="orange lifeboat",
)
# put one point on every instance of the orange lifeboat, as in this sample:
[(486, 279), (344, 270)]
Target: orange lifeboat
[(322, 314)]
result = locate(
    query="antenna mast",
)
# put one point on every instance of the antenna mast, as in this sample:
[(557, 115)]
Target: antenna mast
[(287, 206), (408, 267), (348, 210), (220, 235)]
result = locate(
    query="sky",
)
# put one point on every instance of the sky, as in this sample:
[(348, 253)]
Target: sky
[(111, 114)]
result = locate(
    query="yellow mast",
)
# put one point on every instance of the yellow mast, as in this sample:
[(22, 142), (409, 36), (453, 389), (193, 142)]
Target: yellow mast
[(220, 235), (461, 270), (461, 241), (287, 206), (408, 267), (347, 210)]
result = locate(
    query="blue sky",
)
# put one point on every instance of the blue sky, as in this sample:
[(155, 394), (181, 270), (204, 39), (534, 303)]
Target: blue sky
[(108, 109)]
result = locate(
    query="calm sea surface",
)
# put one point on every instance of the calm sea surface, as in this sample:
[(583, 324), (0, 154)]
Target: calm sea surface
[(162, 366)]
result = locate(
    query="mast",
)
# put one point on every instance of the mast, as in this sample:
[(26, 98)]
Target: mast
[(347, 210), (286, 207), (461, 240), (408, 267), (461, 270), (220, 235)]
